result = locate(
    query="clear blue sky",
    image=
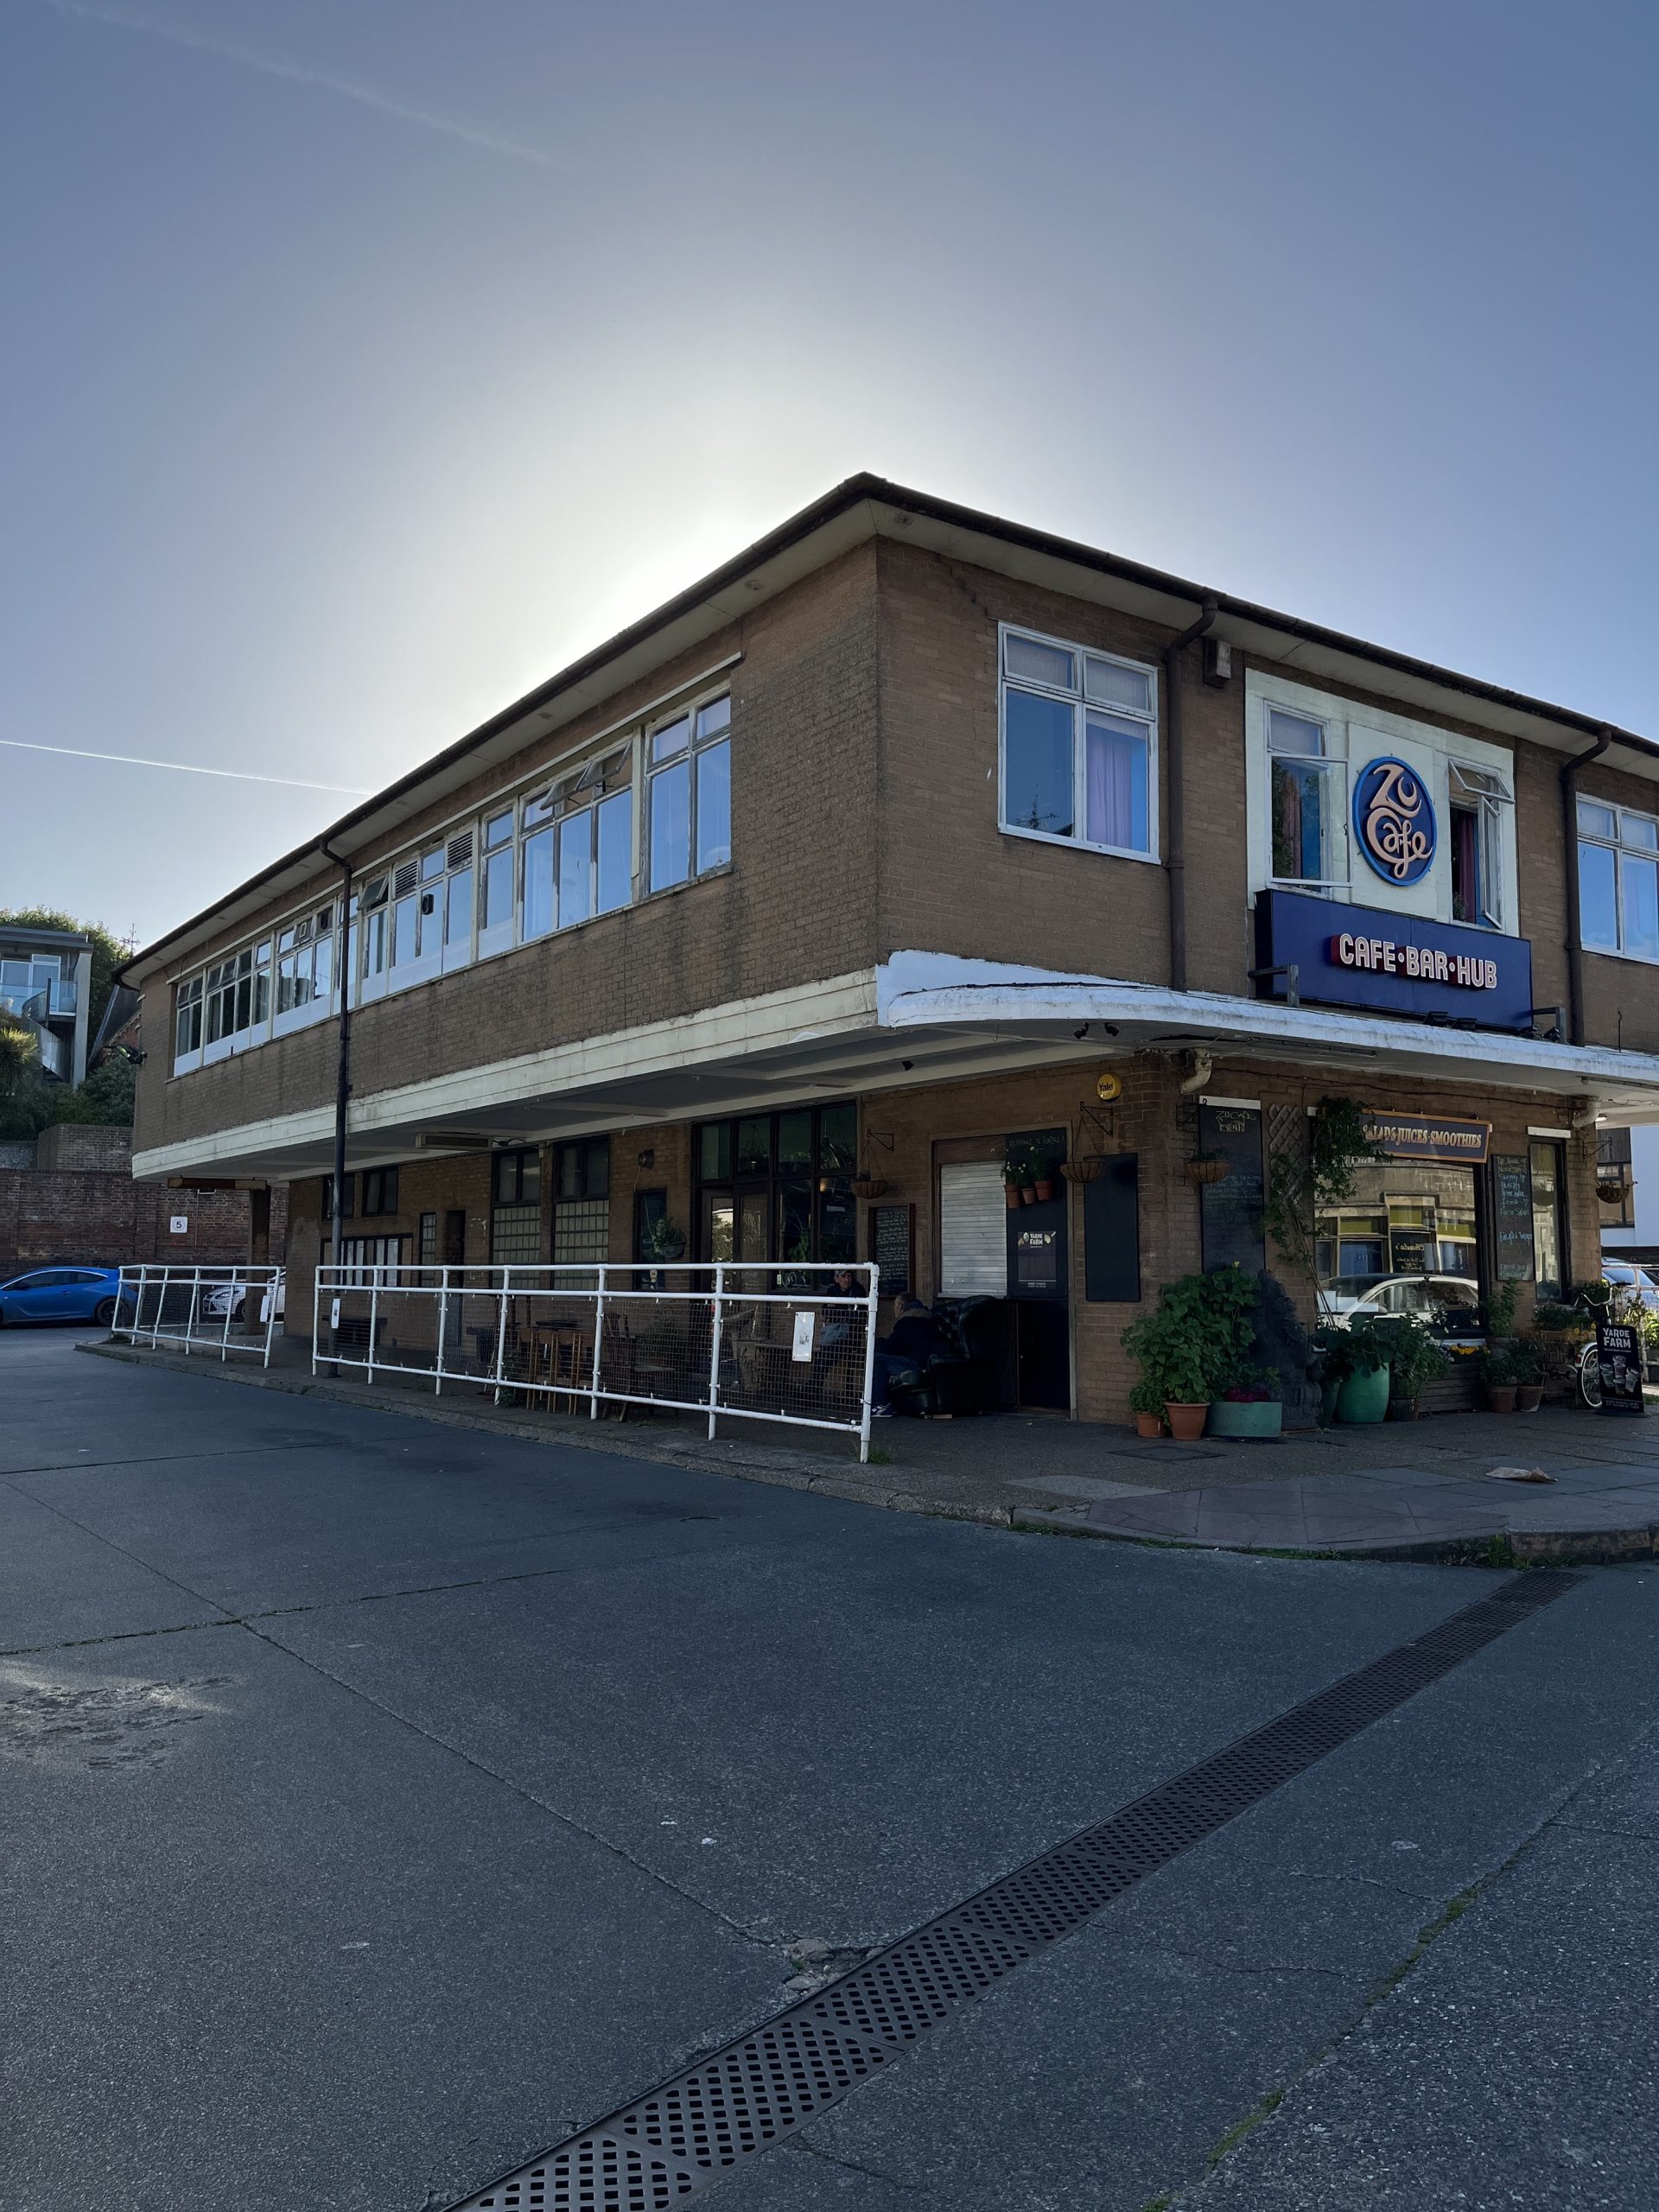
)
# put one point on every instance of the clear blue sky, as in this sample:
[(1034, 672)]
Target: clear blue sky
[(363, 360)]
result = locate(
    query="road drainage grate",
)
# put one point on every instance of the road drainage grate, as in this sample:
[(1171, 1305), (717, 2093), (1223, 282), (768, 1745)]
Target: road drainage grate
[(680, 2137)]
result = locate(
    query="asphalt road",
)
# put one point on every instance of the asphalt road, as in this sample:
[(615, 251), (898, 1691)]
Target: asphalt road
[(380, 1801)]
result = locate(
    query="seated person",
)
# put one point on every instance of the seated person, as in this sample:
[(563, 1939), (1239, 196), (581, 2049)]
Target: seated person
[(838, 1320), (914, 1337)]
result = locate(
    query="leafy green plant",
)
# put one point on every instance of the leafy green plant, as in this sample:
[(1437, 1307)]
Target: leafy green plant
[(1501, 1301), (1498, 1367), (1551, 1314), (1414, 1358), (1199, 1340), (1298, 1189), (1526, 1364), (1359, 1348)]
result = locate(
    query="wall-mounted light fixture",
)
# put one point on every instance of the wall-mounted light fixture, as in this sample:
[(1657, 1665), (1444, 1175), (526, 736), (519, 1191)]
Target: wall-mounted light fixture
[(648, 1158)]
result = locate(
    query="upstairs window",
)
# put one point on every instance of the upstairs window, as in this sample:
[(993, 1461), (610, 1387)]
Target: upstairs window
[(688, 793), (495, 902), (1079, 745), (579, 846), (1618, 881), (1478, 797), (1307, 795), (187, 1034), (379, 1190)]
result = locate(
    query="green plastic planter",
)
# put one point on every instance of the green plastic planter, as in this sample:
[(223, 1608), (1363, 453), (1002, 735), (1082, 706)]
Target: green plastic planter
[(1364, 1398), (1262, 1417)]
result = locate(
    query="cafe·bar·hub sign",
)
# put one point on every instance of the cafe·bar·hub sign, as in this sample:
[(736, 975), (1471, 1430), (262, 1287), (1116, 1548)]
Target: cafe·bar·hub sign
[(1378, 960)]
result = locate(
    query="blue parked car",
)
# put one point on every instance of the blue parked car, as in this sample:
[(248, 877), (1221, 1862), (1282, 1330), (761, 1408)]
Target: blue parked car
[(60, 1294)]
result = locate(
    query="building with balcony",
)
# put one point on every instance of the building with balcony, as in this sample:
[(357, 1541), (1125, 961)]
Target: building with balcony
[(45, 981), (923, 887)]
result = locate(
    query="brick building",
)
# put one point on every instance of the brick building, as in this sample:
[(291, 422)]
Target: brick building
[(914, 846), (69, 1196)]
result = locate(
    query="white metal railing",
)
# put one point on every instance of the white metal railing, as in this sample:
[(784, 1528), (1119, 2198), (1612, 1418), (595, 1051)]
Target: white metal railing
[(222, 1309), (780, 1344)]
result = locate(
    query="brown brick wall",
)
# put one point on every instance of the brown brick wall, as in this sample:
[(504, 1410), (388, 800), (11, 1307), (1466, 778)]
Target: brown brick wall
[(102, 1218), (798, 903)]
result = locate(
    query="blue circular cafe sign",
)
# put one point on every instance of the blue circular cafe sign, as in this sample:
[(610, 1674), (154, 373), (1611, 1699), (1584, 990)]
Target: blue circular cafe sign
[(1394, 821)]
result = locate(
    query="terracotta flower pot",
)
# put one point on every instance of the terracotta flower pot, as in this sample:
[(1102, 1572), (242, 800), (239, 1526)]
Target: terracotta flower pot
[(1187, 1422), (1011, 1192), (1028, 1194), (1148, 1424), (1529, 1397), (1045, 1191), (1500, 1397)]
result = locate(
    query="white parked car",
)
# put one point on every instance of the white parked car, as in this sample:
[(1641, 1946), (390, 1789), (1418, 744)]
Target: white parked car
[(1451, 1300), (217, 1297), (1628, 1278)]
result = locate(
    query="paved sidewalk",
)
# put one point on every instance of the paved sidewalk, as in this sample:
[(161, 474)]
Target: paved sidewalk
[(1418, 1490)]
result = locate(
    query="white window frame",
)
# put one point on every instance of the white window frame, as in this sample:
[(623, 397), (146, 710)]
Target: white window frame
[(646, 774), (1489, 806), (1616, 845), (1080, 704), (1333, 761)]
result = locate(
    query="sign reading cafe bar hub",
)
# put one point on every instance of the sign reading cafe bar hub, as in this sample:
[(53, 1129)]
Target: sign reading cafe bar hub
[(1386, 962)]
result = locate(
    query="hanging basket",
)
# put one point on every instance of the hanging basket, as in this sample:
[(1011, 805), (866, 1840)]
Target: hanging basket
[(1203, 1170), (868, 1186), (1609, 1193), (1086, 1168)]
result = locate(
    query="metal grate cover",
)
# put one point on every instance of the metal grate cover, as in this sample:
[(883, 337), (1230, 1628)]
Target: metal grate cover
[(680, 2137)]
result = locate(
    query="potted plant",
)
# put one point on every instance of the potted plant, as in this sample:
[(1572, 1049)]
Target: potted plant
[(1527, 1364), (1013, 1174), (1497, 1376), (1194, 1345), (1415, 1361), (1043, 1178), (1356, 1381), (1147, 1404), (1249, 1407)]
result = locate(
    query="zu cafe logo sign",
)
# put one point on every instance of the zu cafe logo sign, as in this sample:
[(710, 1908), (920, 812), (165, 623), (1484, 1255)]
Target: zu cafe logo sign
[(1394, 821)]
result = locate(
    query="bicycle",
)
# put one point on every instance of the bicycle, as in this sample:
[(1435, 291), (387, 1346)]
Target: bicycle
[(1620, 1306)]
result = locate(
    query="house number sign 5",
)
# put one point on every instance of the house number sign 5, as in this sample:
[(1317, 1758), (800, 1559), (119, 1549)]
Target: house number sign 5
[(1394, 821)]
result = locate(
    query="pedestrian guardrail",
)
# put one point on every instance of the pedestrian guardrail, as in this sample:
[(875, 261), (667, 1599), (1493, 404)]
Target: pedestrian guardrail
[(213, 1309), (786, 1344)]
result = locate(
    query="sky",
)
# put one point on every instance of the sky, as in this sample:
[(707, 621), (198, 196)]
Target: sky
[(364, 361)]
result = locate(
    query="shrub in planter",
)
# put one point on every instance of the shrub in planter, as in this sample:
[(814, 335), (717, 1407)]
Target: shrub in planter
[(1498, 1379), (1527, 1365), (1414, 1360), (1357, 1363), (1195, 1346), (1251, 1407), (1147, 1404)]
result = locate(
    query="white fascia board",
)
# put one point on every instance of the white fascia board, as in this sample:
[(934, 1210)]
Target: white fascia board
[(925, 989), (834, 1007)]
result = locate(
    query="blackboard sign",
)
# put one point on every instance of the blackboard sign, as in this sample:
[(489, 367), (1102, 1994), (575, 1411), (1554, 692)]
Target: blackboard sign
[(1618, 1355), (1409, 1251), (1512, 1215), (891, 1237), (1230, 1211), (1111, 1232)]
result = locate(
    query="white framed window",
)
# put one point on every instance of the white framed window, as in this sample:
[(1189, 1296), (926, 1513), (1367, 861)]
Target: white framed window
[(1618, 881), (187, 1026), (1079, 745), (688, 793), (1308, 803), (1478, 801), (578, 845)]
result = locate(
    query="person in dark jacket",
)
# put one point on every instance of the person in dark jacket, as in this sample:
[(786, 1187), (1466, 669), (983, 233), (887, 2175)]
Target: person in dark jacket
[(914, 1337)]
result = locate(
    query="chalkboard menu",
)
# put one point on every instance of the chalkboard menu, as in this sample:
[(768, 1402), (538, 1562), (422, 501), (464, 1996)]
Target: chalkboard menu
[(1512, 1215), (1231, 1211), (890, 1238)]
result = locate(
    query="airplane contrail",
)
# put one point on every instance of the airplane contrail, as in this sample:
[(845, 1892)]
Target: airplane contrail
[(364, 95), (185, 768)]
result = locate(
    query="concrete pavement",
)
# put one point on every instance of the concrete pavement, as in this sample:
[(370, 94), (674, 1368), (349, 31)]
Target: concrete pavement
[(384, 1801)]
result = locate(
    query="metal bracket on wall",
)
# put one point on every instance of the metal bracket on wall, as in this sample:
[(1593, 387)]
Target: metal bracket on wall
[(1292, 975), (1556, 1017)]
